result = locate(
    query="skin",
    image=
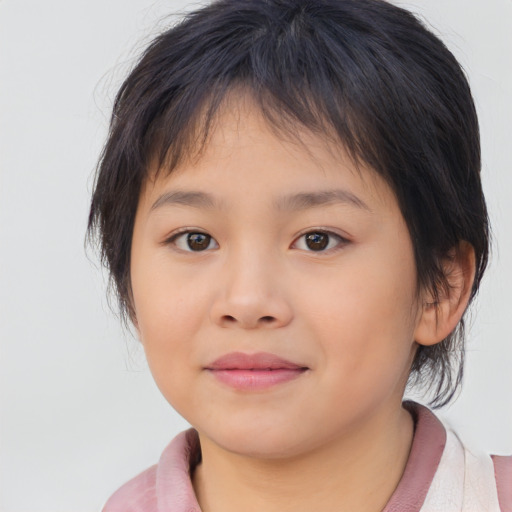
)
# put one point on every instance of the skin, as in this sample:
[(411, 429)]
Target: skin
[(336, 438)]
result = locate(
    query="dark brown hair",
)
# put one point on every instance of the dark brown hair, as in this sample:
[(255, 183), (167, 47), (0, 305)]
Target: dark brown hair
[(364, 70)]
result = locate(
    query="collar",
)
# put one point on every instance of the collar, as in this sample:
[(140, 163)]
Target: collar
[(174, 486)]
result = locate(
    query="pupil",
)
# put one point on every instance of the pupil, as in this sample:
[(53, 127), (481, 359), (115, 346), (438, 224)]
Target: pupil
[(198, 241), (317, 241)]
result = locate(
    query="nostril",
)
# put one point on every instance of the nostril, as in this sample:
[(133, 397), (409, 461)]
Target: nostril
[(249, 322)]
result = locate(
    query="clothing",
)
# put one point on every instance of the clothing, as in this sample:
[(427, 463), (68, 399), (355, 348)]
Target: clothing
[(441, 475)]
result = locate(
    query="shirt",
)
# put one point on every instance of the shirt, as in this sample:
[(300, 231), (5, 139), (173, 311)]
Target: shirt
[(441, 475)]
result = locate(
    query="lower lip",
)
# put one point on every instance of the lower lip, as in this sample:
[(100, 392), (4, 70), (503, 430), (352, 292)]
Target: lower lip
[(256, 379)]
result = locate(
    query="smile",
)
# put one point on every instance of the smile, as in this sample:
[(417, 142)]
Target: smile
[(254, 371)]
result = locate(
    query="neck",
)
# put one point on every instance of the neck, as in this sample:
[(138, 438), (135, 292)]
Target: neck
[(356, 472)]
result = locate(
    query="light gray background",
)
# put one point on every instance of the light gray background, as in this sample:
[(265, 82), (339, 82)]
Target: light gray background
[(79, 411)]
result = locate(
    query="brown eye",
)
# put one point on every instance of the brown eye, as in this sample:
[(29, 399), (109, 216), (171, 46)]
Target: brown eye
[(193, 241), (198, 241), (320, 241), (317, 241)]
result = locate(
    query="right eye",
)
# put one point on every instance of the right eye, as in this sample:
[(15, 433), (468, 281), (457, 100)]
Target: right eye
[(193, 241)]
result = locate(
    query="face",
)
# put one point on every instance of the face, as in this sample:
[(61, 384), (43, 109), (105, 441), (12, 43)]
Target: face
[(264, 250)]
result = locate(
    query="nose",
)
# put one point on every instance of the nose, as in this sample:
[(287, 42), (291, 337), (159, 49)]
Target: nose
[(251, 294)]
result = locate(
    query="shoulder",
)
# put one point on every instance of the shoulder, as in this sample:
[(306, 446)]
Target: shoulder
[(463, 475), (164, 486), (443, 473), (503, 473), (136, 495), (487, 475)]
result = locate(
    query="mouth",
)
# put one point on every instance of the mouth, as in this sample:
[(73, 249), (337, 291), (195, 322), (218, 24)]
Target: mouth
[(254, 371)]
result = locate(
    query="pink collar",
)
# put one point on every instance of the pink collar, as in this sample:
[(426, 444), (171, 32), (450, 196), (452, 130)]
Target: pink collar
[(167, 487), (426, 451)]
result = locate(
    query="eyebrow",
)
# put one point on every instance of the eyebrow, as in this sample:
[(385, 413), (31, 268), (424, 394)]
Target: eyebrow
[(180, 197), (292, 202), (306, 200)]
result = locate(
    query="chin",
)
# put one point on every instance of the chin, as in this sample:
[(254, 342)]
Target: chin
[(257, 441)]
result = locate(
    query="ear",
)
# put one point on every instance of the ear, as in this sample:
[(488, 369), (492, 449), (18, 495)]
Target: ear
[(439, 318)]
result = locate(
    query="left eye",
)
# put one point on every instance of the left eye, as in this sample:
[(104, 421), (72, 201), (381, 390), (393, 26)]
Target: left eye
[(318, 241)]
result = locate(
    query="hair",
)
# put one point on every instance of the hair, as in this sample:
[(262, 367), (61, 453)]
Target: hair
[(364, 71)]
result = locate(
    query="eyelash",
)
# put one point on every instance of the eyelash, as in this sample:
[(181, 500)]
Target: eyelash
[(341, 241), (187, 231)]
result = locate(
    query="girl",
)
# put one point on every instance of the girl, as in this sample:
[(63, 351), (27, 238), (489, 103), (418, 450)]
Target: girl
[(290, 206)]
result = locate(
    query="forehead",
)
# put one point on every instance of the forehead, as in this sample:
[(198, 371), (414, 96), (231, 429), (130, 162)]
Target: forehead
[(243, 149)]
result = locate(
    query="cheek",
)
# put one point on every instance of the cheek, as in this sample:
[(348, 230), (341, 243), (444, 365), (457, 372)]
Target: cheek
[(170, 310), (167, 330), (164, 294), (365, 317)]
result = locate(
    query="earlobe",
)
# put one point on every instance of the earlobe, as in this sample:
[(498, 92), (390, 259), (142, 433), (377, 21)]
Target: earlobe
[(440, 315)]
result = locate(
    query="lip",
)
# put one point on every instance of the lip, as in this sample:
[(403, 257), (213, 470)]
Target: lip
[(257, 371)]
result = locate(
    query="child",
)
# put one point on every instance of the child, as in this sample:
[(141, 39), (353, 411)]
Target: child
[(289, 203)]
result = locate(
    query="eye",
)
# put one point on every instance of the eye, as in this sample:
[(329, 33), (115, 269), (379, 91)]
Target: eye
[(319, 241), (193, 241)]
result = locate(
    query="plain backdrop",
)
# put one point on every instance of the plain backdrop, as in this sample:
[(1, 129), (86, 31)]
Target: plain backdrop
[(79, 412)]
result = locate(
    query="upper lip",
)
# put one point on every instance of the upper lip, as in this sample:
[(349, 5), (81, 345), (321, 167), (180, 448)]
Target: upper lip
[(257, 361)]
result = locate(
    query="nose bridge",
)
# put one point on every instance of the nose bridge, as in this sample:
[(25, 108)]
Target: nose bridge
[(251, 273), (251, 292)]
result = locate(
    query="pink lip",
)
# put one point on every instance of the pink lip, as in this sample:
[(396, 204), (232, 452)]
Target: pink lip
[(254, 371)]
